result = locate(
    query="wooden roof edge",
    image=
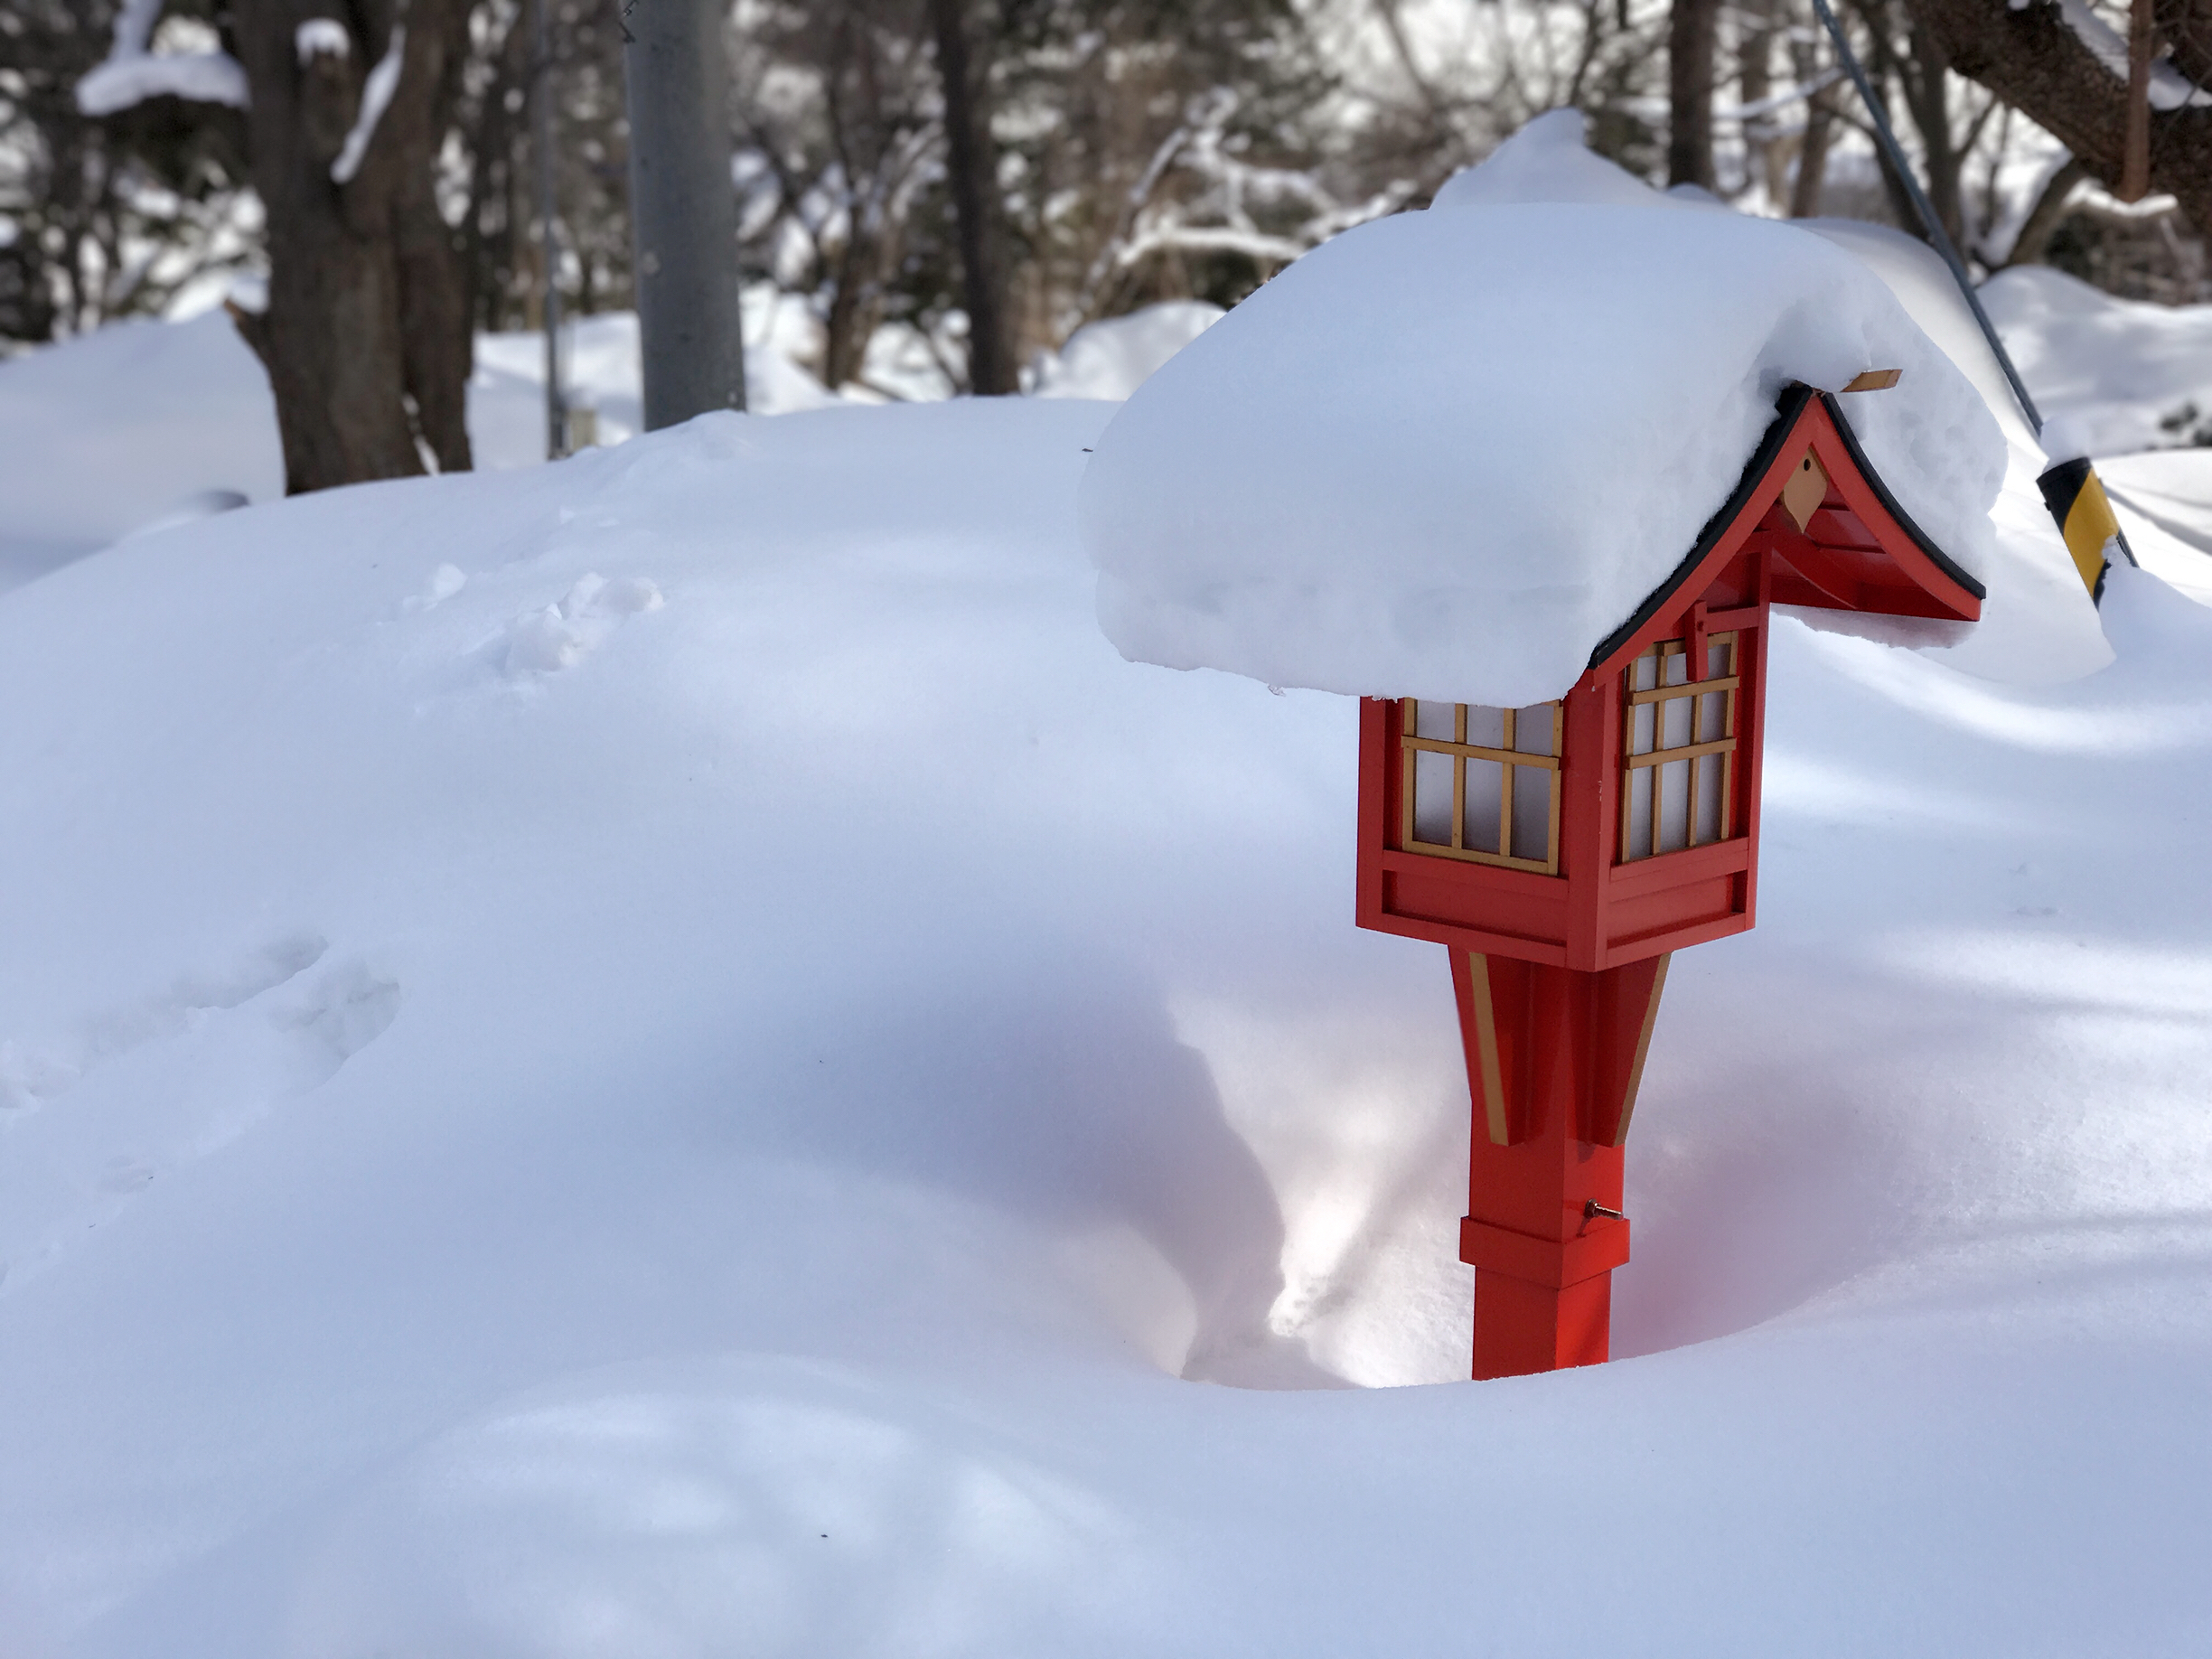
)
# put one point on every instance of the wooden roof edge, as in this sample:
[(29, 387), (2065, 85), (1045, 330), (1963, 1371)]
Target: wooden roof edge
[(1791, 412)]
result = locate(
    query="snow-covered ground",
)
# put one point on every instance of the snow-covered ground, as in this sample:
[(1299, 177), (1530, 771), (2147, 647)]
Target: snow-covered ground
[(669, 1054), (2131, 375), (144, 424)]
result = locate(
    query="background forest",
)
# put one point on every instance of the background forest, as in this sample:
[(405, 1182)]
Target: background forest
[(1134, 151)]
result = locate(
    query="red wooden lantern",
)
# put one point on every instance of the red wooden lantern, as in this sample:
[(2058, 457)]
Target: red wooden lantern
[(1563, 851)]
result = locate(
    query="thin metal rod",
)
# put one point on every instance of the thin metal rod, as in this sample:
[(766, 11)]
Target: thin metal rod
[(555, 398), (1937, 237)]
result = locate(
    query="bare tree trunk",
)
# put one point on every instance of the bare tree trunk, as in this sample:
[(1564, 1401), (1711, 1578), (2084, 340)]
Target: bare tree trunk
[(2030, 58), (855, 308), (1915, 83), (2044, 217), (437, 345), (880, 152), (1763, 157), (972, 160), (1805, 202), (1925, 76), (2186, 28), (1691, 29), (1813, 155), (2135, 163), (367, 308), (491, 224)]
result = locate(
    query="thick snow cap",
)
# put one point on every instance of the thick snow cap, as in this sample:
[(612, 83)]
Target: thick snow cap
[(1448, 453), (1548, 160)]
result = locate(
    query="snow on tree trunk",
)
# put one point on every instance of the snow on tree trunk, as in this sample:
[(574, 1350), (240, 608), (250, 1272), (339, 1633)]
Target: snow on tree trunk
[(2066, 72), (367, 309)]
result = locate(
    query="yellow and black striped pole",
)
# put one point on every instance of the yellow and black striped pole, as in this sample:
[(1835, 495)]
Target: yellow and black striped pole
[(2076, 500), (2070, 488)]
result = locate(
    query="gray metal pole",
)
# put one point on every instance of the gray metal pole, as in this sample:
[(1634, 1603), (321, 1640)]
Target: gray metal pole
[(683, 209), (555, 398)]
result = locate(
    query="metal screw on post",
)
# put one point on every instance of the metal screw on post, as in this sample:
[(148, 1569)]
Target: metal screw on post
[(683, 209), (1592, 1209)]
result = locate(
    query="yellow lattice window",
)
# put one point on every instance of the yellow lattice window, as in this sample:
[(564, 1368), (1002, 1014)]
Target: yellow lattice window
[(1482, 784), (1678, 748)]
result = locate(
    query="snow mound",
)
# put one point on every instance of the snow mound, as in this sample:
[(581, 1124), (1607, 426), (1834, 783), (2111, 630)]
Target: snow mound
[(2164, 500), (2126, 374), (1448, 453), (726, 1147), (1113, 358), (1549, 160), (120, 428)]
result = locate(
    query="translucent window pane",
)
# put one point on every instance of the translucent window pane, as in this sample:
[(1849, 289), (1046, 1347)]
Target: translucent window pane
[(1532, 731), (1640, 722), (1712, 716), (1432, 804), (1675, 722), (1485, 727), (1717, 661), (1532, 815), (1433, 720), (1677, 668), (1709, 773), (1673, 805), (1644, 673), (1639, 814), (1485, 791)]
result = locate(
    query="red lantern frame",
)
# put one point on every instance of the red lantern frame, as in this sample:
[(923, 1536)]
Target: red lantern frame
[(1557, 975)]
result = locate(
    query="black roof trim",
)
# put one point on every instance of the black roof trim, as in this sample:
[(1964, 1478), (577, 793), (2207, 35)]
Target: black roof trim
[(1786, 411), (1788, 408), (1937, 556)]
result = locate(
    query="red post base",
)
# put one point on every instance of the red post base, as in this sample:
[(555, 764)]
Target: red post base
[(1554, 1057)]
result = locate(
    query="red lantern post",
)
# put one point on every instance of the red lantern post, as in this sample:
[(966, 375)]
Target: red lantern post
[(1563, 851)]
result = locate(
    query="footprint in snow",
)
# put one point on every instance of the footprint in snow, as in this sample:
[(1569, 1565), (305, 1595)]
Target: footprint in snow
[(155, 1085), (445, 581), (561, 635), (30, 1076), (340, 1015)]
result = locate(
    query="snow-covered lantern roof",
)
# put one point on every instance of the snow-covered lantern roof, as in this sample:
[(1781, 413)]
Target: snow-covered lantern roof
[(1515, 475), (1527, 478)]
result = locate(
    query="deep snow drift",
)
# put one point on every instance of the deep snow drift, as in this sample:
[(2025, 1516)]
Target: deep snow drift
[(669, 1056), (545, 1122)]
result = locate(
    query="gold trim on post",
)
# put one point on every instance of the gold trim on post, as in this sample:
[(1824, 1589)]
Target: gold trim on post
[(1487, 1050), (1643, 1047)]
